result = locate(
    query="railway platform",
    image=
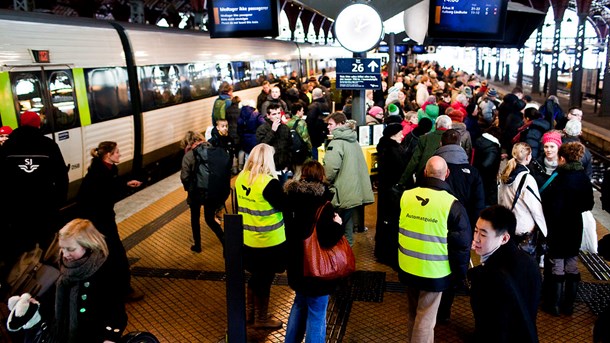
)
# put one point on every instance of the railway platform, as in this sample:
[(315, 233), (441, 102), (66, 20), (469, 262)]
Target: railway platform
[(185, 295)]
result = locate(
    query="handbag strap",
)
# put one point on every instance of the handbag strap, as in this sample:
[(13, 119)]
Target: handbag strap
[(318, 214), (518, 193), (548, 181)]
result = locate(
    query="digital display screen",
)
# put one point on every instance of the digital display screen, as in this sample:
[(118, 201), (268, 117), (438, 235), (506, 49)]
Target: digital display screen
[(399, 49), (454, 18), (238, 18), (419, 49)]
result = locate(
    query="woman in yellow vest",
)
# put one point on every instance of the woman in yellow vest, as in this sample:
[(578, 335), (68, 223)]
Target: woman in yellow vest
[(260, 201)]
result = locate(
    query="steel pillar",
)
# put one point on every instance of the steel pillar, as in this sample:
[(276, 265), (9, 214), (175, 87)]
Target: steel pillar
[(555, 59), (577, 72), (520, 68), (537, 59)]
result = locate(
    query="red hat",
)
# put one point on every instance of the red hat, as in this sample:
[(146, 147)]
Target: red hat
[(29, 118), (5, 130), (552, 137)]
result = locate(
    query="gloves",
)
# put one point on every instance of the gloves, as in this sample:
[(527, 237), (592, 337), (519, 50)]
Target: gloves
[(24, 312)]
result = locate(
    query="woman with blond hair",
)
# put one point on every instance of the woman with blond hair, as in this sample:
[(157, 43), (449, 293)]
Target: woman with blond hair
[(261, 202), (519, 192), (89, 303)]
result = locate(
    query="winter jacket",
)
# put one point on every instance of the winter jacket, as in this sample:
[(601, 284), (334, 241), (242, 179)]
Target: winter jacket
[(532, 135), (564, 200), (262, 97), (459, 239), (100, 190), (504, 295), (528, 208), (347, 171), (465, 181), (426, 146), (301, 129), (233, 117), (465, 139), (304, 200), (458, 106), (249, 120), (280, 140), (213, 185), (487, 157), (316, 113)]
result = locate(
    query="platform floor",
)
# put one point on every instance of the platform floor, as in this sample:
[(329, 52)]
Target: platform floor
[(185, 291)]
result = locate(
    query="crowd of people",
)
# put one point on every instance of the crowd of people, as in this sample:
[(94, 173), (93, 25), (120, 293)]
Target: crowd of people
[(441, 194)]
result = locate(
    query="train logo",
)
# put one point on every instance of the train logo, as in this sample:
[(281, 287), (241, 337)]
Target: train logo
[(29, 166)]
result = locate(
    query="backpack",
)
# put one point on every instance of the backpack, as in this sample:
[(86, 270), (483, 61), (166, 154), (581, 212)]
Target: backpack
[(300, 151), (219, 110), (212, 182)]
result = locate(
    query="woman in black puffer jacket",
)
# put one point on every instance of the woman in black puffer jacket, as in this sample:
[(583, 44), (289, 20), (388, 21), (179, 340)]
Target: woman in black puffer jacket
[(305, 197)]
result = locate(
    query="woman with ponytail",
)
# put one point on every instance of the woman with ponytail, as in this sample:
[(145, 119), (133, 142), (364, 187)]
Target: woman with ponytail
[(519, 192)]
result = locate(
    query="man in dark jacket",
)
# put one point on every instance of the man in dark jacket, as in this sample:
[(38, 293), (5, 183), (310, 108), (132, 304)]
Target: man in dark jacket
[(35, 178), (262, 97), (467, 186), (433, 247), (316, 113), (505, 288), (276, 134)]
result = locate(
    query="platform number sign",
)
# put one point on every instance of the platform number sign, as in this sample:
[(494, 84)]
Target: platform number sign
[(358, 73)]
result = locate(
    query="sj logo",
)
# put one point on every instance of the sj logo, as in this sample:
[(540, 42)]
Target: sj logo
[(28, 165)]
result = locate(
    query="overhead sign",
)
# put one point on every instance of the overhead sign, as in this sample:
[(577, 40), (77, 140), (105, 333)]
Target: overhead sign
[(358, 73)]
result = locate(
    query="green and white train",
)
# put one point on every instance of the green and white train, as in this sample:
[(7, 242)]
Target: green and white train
[(143, 87)]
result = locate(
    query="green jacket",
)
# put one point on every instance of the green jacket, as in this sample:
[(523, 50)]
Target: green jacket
[(301, 130), (426, 147), (346, 170)]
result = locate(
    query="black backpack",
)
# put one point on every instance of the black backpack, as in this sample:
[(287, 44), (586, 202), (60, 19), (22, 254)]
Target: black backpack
[(212, 180), (300, 150)]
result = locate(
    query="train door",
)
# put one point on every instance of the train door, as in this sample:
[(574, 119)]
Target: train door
[(50, 93)]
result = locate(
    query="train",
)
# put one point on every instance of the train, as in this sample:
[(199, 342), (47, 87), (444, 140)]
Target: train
[(142, 86)]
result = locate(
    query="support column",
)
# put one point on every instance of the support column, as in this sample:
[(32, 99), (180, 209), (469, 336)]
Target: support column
[(537, 60), (555, 59), (392, 60), (605, 102), (507, 75), (489, 70), (359, 99), (577, 72), (497, 76), (137, 11), (23, 5), (520, 68), (477, 69)]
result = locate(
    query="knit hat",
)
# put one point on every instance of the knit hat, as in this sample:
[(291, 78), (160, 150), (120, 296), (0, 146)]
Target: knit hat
[(29, 118), (455, 115), (5, 130), (24, 312), (393, 89), (492, 92), (573, 128), (468, 92), (392, 129), (393, 110), (552, 137), (317, 93), (376, 112)]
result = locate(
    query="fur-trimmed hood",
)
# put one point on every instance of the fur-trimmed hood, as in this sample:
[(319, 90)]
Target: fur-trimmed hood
[(305, 187)]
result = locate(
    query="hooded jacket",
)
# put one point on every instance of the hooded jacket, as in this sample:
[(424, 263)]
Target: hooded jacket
[(465, 181), (347, 171), (249, 120), (487, 157), (280, 140)]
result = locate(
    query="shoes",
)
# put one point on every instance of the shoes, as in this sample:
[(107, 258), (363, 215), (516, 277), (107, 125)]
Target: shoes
[(361, 229), (196, 248), (134, 295)]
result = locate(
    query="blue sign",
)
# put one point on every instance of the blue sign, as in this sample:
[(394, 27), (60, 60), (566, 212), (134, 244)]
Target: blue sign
[(358, 73)]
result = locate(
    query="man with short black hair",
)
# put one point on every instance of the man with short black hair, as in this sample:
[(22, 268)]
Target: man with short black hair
[(505, 288)]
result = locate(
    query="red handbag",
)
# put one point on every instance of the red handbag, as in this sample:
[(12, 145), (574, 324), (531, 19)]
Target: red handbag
[(327, 264)]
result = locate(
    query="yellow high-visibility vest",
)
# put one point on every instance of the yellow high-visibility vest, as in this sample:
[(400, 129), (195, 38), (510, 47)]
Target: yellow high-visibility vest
[(263, 224), (422, 236)]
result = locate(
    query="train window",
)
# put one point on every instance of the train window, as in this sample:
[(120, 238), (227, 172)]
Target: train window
[(200, 78), (65, 112), (29, 91), (163, 85), (108, 93)]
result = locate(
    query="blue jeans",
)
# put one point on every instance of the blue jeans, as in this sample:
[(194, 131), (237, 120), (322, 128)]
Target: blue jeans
[(348, 223), (308, 314)]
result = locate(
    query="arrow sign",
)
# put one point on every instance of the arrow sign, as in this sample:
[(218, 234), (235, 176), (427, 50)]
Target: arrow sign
[(358, 73), (373, 65)]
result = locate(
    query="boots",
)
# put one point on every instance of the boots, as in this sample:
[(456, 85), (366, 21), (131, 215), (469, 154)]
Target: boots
[(249, 306), (263, 320), (552, 294), (571, 288)]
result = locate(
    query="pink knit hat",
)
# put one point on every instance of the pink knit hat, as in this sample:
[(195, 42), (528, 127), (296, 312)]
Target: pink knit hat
[(552, 137)]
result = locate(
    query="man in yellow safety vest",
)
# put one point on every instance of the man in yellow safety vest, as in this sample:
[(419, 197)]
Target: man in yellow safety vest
[(434, 247)]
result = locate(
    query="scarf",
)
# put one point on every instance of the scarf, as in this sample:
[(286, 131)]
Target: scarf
[(549, 166), (68, 288)]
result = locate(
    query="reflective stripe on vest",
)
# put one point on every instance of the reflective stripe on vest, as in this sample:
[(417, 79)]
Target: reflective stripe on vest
[(422, 237), (263, 224)]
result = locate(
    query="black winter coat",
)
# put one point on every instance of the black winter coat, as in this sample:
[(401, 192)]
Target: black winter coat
[(232, 115), (487, 157), (532, 135), (316, 112), (563, 202), (249, 120), (504, 296), (304, 199), (280, 140), (587, 158), (100, 190)]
